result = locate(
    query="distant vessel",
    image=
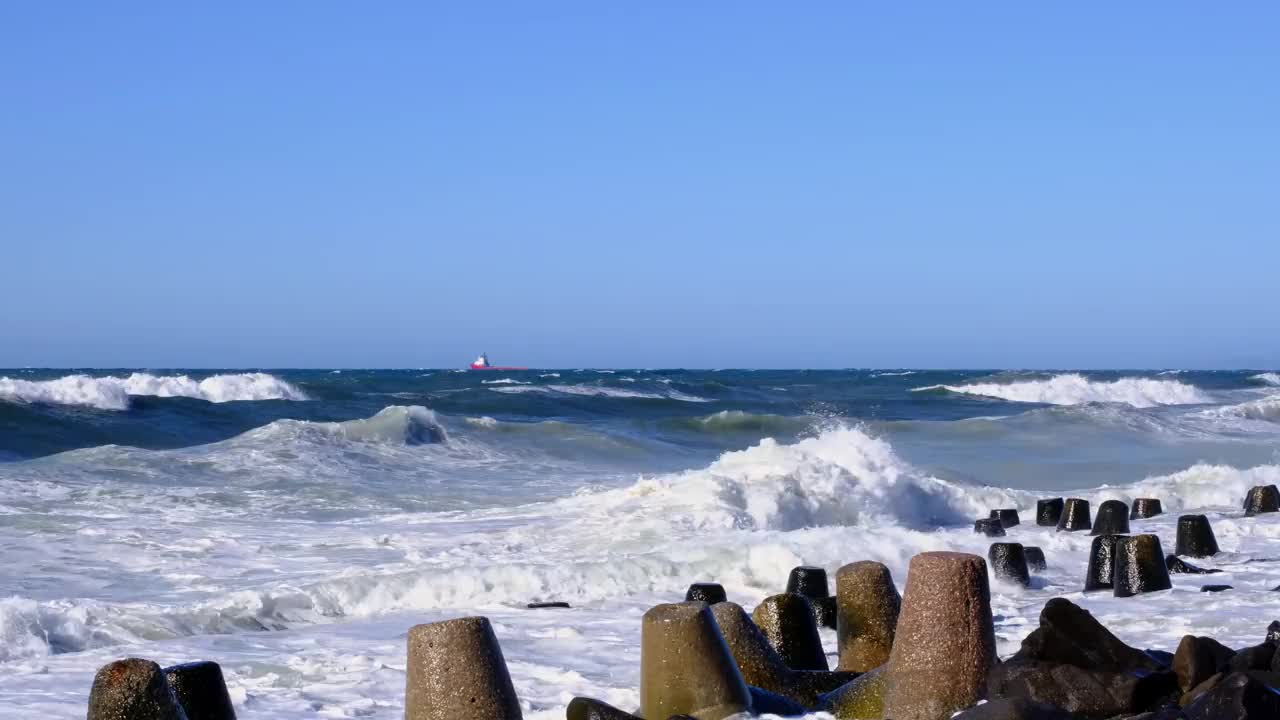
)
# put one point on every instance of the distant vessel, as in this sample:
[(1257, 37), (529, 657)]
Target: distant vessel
[(482, 363)]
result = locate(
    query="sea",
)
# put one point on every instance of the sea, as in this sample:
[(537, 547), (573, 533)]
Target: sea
[(293, 524)]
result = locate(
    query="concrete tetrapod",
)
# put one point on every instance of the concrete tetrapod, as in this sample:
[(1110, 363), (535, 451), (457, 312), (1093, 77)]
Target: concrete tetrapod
[(456, 670), (945, 641), (686, 667), (788, 621), (867, 615), (133, 689), (201, 690), (761, 665)]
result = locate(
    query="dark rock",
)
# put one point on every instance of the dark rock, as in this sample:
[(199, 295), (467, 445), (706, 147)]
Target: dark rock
[(1162, 657), (1238, 697), (1014, 709), (1273, 632), (1195, 537), (1257, 657), (1009, 562), (1102, 563), (581, 708), (1075, 515), (868, 610), (201, 690), (808, 581), (945, 644), (1112, 519), (1262, 499), (787, 620), (710, 593), (1198, 659), (456, 669), (1035, 558), (1176, 564), (1215, 588), (1048, 512), (1194, 693), (1092, 693), (685, 665), (1068, 634), (764, 702), (1008, 517), (988, 527), (550, 604), (133, 689), (1140, 566), (1145, 508)]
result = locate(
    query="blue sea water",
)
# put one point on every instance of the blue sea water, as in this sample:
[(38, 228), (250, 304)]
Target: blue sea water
[(262, 514)]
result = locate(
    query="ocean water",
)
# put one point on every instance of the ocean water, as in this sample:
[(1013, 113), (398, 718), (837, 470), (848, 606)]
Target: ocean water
[(292, 525)]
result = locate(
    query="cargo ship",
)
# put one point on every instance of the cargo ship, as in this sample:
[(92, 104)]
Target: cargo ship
[(482, 363)]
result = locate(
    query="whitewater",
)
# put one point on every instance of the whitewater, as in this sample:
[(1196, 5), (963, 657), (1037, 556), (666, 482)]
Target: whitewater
[(292, 525)]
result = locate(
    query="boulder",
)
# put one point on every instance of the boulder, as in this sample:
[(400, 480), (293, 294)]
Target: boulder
[(1069, 634), (944, 645), (201, 690), (1273, 632), (708, 592), (1140, 566), (1075, 515), (1112, 519), (1262, 499), (1258, 657), (1215, 588), (1205, 686), (1102, 563), (685, 665), (1092, 693), (1014, 709), (1009, 563), (1199, 658), (867, 610), (456, 669), (1145, 508), (787, 620), (1048, 512), (132, 689), (1195, 537), (1177, 565), (1239, 696)]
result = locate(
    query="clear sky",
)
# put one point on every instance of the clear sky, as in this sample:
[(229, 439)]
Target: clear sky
[(994, 184)]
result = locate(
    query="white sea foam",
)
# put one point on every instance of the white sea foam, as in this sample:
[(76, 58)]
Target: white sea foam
[(1076, 389), (503, 381), (893, 374), (599, 391), (1267, 408), (1268, 378), (113, 393), (189, 585)]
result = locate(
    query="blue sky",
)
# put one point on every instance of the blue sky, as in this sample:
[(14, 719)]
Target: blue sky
[(640, 184)]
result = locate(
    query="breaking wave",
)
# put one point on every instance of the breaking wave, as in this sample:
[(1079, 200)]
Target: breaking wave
[(1267, 378), (738, 421), (1267, 408), (599, 391), (113, 393), (396, 424), (1076, 389)]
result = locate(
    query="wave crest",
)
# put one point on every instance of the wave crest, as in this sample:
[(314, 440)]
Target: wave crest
[(1076, 389), (1267, 378), (395, 424), (113, 393)]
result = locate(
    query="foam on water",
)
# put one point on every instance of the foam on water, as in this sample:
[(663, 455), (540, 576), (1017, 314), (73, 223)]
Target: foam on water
[(1268, 378), (599, 391), (1076, 389), (113, 393)]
